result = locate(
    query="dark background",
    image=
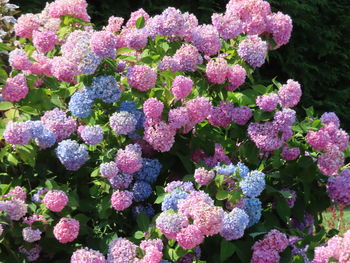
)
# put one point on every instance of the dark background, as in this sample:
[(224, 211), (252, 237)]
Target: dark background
[(318, 55)]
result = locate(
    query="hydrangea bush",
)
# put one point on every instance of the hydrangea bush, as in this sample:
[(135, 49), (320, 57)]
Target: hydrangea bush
[(150, 141)]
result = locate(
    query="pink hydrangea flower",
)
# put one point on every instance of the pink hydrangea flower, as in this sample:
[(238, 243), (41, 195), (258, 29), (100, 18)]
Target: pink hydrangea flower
[(134, 16), (141, 77), (31, 235), (17, 133), (189, 237), (153, 108), (267, 102), (15, 209), (170, 223), (121, 200), (136, 38), (55, 200), (44, 40), (87, 255), (129, 160), (26, 24), (178, 117), (114, 24), (15, 88), (16, 193), (253, 50), (66, 230), (182, 87), (330, 162), (290, 154), (236, 75), (206, 39), (203, 176), (198, 109), (242, 115), (157, 243), (187, 57), (104, 43), (18, 59), (216, 71), (228, 26), (109, 170), (221, 115), (290, 93), (318, 139), (41, 66), (208, 219), (58, 122), (280, 25), (63, 69), (121, 250), (160, 136), (76, 8)]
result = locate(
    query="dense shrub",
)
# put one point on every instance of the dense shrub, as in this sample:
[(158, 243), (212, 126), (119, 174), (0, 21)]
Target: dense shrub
[(154, 141)]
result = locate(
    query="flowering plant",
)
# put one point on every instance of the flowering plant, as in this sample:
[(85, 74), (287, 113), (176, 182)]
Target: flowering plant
[(159, 121)]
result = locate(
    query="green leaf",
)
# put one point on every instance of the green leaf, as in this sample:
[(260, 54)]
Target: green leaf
[(12, 159), (283, 209), (140, 22), (124, 50), (222, 194), (143, 221), (227, 249), (5, 105), (29, 110), (139, 235)]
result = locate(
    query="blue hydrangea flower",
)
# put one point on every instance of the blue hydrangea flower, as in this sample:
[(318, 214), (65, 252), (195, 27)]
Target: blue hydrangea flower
[(130, 106), (147, 209), (149, 171), (243, 169), (71, 154), (234, 224), (89, 63), (81, 103), (170, 200), (141, 190), (46, 139), (92, 134), (226, 169), (105, 88), (252, 206), (253, 184)]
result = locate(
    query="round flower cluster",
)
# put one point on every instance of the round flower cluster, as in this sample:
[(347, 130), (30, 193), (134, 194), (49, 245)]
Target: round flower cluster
[(149, 171), (141, 190), (216, 71), (161, 136), (267, 102), (290, 154), (104, 44), (141, 77), (153, 108), (16, 193), (171, 199), (91, 135), (129, 160), (18, 59), (15, 208), (123, 122), (109, 170), (206, 39), (228, 26), (337, 248), (289, 94), (31, 235), (178, 117), (31, 254), (253, 184), (338, 188), (44, 40), (234, 224), (66, 230), (55, 200), (222, 115), (106, 88), (121, 200), (253, 207), (198, 109), (71, 154), (81, 103), (182, 87), (268, 249), (76, 8), (236, 75), (58, 122), (253, 50), (86, 255), (203, 176), (17, 133), (15, 88)]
